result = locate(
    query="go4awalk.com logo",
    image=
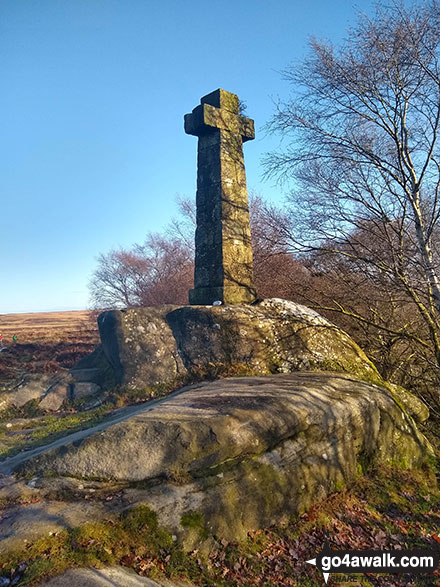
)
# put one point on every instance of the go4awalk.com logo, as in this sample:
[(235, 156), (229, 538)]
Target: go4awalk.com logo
[(418, 560)]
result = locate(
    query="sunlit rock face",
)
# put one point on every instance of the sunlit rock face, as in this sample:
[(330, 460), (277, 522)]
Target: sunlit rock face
[(246, 452), (150, 346)]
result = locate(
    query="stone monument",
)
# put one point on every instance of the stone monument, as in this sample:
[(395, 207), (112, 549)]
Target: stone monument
[(223, 260)]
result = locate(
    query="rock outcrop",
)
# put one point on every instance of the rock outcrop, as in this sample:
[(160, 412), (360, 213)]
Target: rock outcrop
[(49, 391), (108, 577), (160, 346), (226, 457), (245, 453)]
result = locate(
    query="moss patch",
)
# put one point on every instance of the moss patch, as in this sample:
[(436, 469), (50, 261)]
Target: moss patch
[(43, 430), (134, 537), (387, 509), (195, 521)]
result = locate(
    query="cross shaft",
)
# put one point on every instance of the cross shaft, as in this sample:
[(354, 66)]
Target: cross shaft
[(223, 261)]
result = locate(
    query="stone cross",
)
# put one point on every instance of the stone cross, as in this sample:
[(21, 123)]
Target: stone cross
[(223, 262)]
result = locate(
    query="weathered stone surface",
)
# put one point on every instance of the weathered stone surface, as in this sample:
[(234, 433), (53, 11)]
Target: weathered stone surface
[(58, 392), (94, 368), (49, 389), (247, 452), (139, 346), (107, 577), (148, 346), (223, 262), (53, 401), (84, 389), (414, 406), (33, 386), (88, 376), (24, 523), (11, 463)]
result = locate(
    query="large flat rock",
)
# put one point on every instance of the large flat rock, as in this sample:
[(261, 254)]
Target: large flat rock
[(246, 452)]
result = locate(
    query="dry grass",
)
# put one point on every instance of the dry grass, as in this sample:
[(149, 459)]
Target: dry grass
[(47, 342), (74, 326)]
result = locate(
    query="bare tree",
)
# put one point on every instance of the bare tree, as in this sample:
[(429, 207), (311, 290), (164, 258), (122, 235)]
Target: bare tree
[(117, 280), (157, 272), (276, 271), (361, 130)]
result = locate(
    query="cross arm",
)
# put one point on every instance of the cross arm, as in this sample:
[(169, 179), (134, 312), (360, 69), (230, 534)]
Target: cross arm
[(205, 118)]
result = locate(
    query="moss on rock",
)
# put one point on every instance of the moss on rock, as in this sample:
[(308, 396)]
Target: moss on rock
[(247, 452), (149, 346)]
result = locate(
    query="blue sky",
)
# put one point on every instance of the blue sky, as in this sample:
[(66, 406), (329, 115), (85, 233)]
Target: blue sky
[(92, 148)]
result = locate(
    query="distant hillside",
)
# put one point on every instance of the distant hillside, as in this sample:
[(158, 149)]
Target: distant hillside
[(53, 326)]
